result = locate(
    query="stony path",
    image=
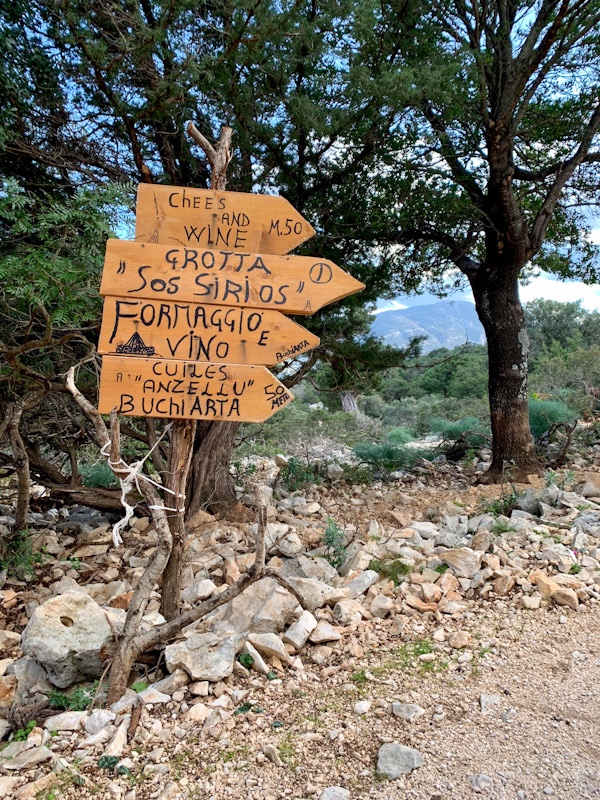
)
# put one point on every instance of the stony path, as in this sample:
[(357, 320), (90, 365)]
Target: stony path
[(537, 735)]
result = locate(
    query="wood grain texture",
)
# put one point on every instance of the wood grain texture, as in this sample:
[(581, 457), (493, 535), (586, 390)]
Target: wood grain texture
[(291, 284), (149, 387), (208, 218), (188, 331)]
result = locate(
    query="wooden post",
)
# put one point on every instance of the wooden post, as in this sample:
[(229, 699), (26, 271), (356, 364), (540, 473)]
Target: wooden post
[(183, 433)]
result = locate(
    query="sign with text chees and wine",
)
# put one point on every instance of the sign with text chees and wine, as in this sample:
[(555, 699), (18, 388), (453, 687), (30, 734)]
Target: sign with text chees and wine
[(192, 313)]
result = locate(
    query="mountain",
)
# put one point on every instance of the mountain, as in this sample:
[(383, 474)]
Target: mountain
[(447, 323)]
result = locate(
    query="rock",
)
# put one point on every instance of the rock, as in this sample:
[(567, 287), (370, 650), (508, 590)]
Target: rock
[(200, 590), (481, 783), (334, 793), (70, 636), (199, 712), (176, 680), (415, 602), (67, 721), (9, 639), (487, 701), (152, 696), (298, 633), (394, 760), (334, 472), (503, 584), (531, 602), (269, 644), (27, 759), (204, 656), (324, 632), (36, 788), (482, 541), (407, 711), (347, 611), (529, 502), (118, 742), (545, 585), (565, 597), (7, 785), (98, 719), (361, 583), (362, 707), (458, 640), (462, 561), (8, 690), (264, 607), (381, 606), (315, 594), (258, 662), (590, 484)]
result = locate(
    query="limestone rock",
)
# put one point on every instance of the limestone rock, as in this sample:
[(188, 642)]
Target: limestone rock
[(70, 636), (264, 607), (394, 760), (335, 793), (269, 644), (200, 590), (458, 640), (204, 656), (565, 597), (407, 711), (67, 721), (347, 611), (361, 583), (298, 633), (590, 485), (381, 606), (463, 561), (324, 632), (8, 690)]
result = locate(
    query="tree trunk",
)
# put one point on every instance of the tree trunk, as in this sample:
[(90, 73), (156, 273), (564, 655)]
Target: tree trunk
[(178, 469), (211, 485), (349, 402), (501, 314)]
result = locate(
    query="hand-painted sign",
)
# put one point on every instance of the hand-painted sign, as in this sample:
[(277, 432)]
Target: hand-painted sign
[(192, 332), (292, 284), (206, 218), (149, 387)]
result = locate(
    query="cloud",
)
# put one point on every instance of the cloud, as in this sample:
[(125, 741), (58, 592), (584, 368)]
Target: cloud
[(547, 288)]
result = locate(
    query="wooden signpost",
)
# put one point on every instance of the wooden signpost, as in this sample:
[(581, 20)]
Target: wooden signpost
[(150, 387), (208, 218), (292, 284), (189, 331), (194, 308)]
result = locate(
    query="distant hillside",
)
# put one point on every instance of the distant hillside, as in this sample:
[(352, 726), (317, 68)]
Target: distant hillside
[(448, 323)]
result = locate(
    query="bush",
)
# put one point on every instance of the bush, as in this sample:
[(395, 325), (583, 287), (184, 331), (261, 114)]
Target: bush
[(388, 457), (470, 429), (18, 557), (400, 435), (97, 475), (543, 414), (296, 475)]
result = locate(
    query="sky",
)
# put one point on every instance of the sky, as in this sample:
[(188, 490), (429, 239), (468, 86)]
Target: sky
[(545, 286)]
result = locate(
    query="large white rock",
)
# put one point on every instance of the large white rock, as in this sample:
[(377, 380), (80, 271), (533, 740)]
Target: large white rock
[(70, 636), (462, 561), (204, 656), (264, 607)]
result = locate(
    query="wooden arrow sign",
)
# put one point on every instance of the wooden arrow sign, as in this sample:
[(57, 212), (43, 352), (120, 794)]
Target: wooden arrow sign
[(291, 284), (188, 331), (149, 387), (219, 220)]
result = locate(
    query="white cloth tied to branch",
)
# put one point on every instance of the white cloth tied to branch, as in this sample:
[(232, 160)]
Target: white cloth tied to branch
[(134, 474)]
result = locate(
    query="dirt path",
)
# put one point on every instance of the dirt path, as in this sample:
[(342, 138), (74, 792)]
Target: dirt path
[(537, 736)]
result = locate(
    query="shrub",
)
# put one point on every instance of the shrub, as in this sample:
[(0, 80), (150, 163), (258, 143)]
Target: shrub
[(296, 475), (400, 435), (97, 475), (334, 541), (543, 414), (18, 557), (389, 457)]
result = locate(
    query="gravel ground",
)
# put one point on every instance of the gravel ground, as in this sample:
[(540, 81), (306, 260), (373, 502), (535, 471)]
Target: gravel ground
[(537, 735)]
